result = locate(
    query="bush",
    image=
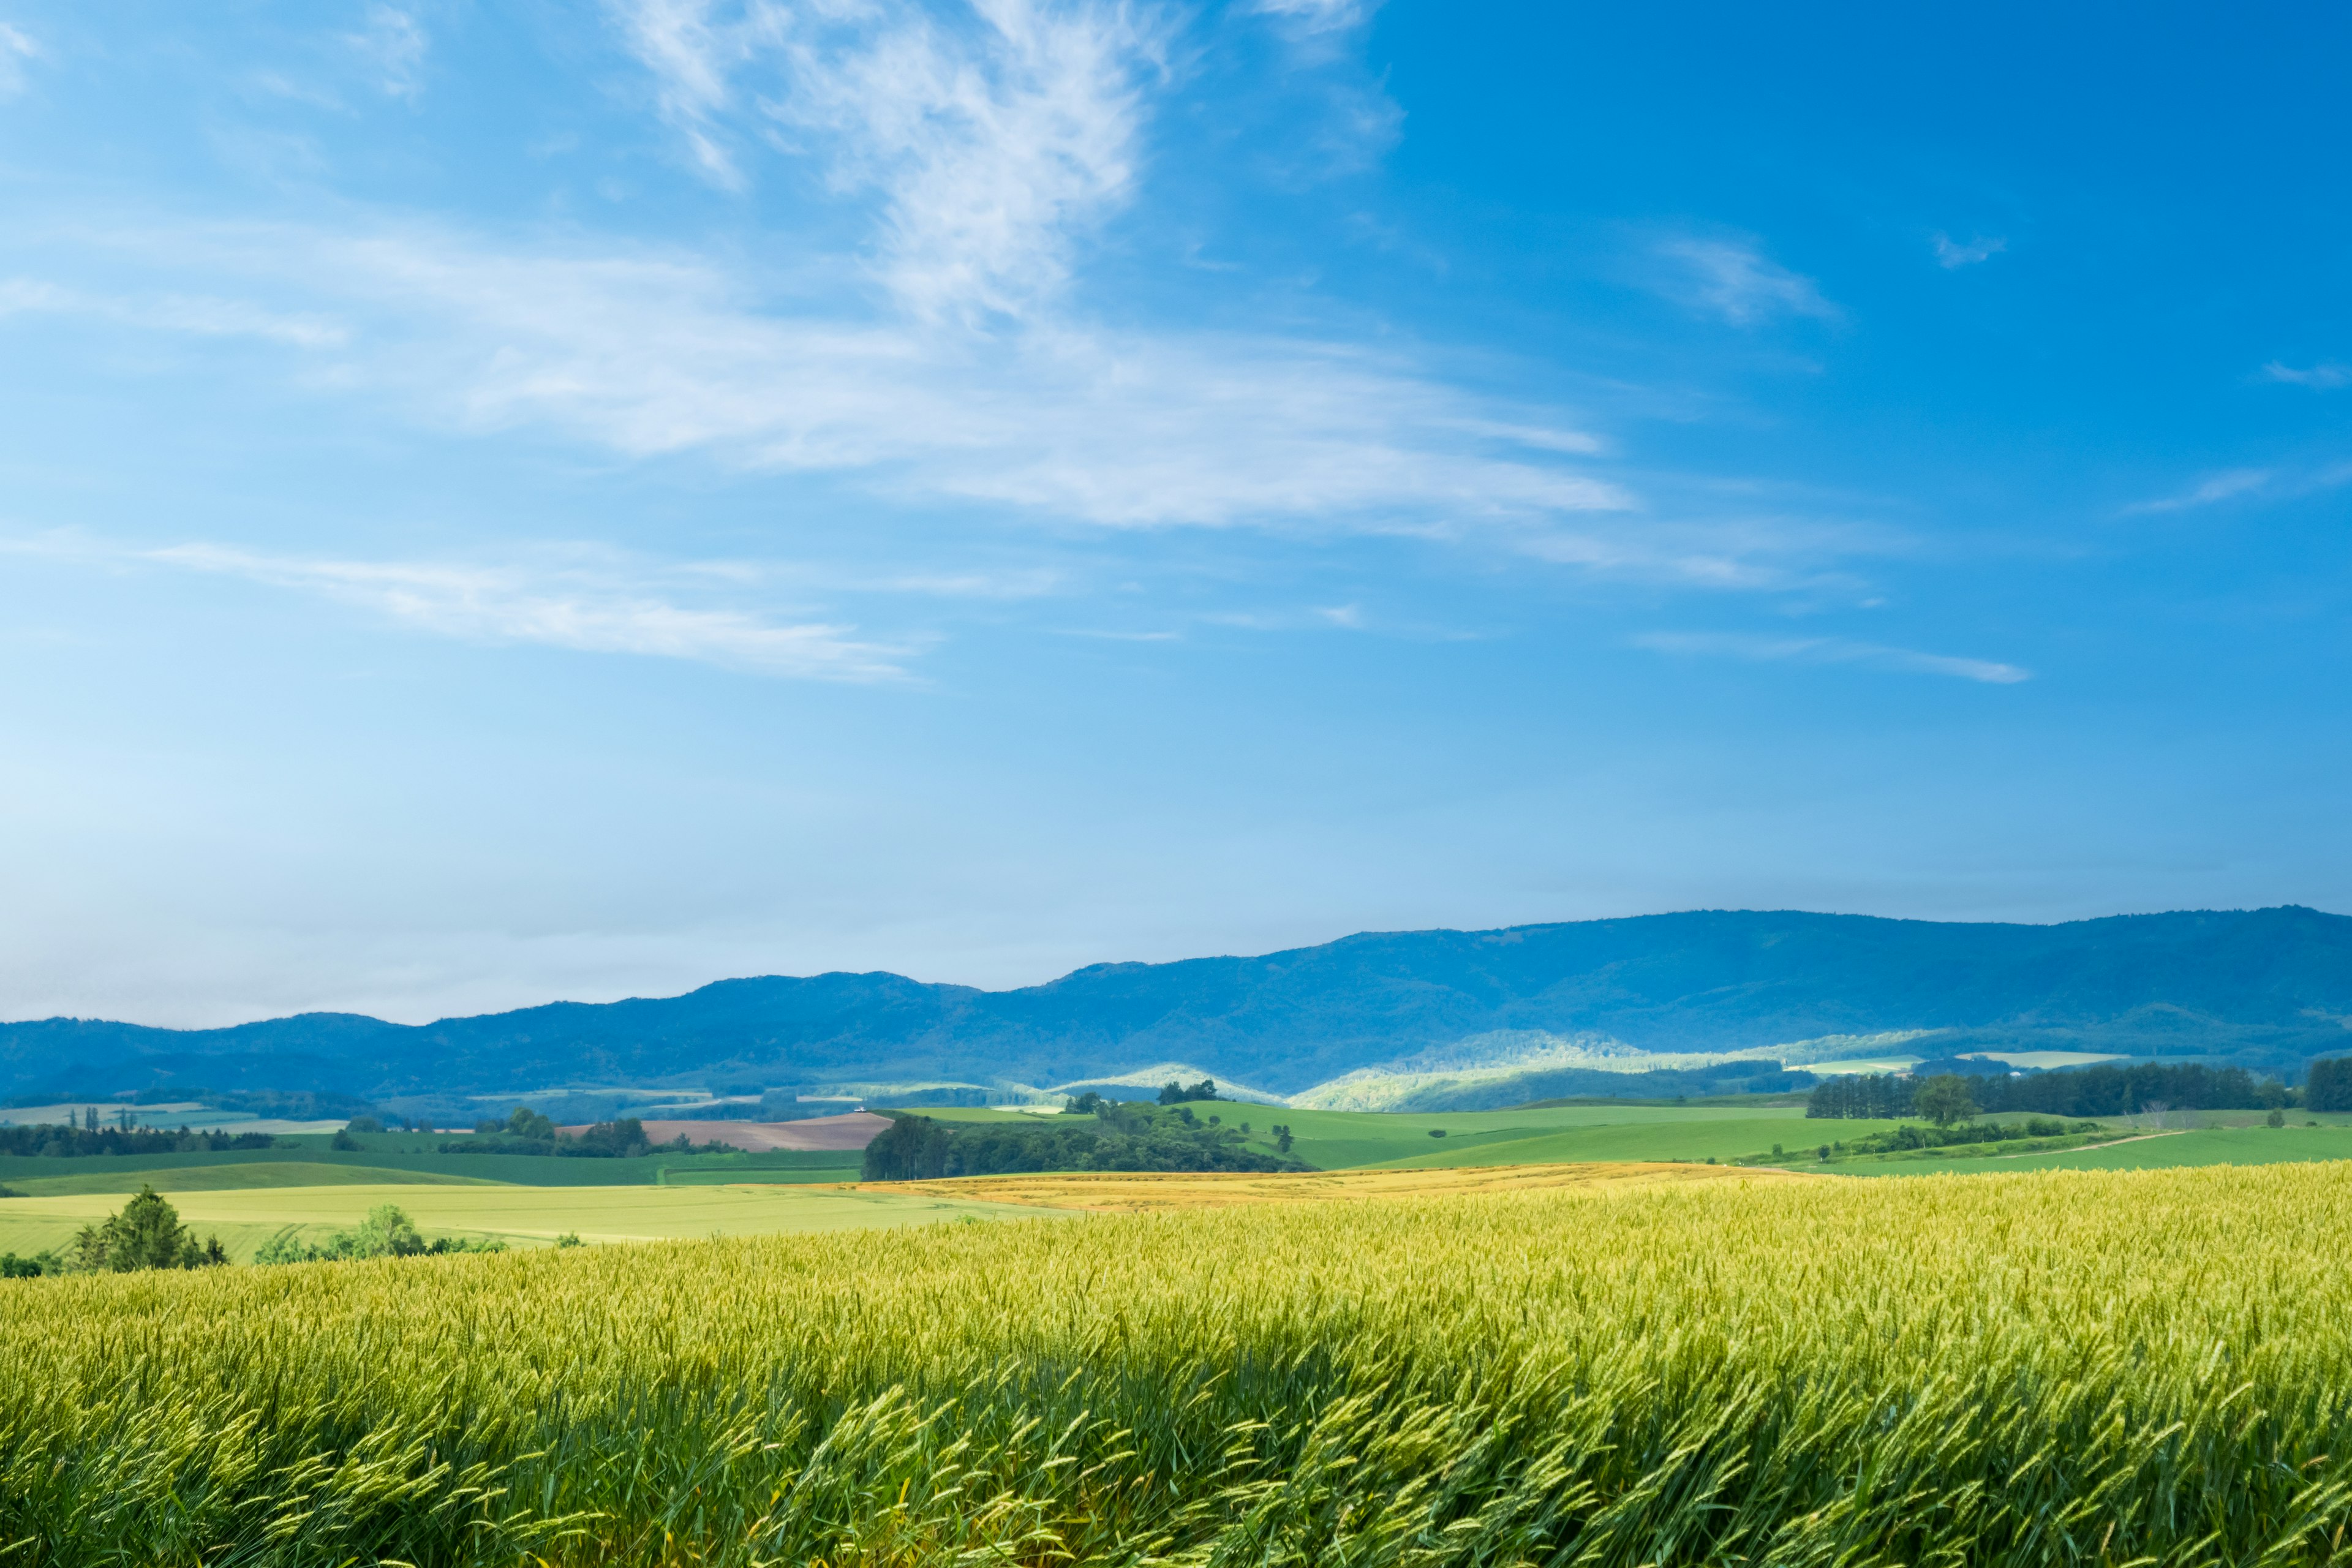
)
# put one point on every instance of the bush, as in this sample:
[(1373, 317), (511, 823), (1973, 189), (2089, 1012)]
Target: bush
[(387, 1232)]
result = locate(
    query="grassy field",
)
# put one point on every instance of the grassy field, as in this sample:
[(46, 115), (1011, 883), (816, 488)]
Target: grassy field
[(1343, 1140), (381, 1152), (227, 1174), (2213, 1146), (521, 1216), (2094, 1368), (1147, 1192)]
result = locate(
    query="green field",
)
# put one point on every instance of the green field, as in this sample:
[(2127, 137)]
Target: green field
[(2215, 1146), (1345, 1139), (2101, 1368), (226, 1174), (520, 1216), (392, 1151)]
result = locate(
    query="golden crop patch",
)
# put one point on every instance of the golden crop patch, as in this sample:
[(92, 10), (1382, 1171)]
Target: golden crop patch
[(2064, 1367)]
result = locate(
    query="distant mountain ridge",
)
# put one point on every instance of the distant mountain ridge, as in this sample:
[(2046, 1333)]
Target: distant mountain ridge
[(2267, 987)]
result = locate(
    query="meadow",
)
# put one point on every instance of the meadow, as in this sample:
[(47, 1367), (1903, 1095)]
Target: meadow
[(2057, 1367), (247, 1216)]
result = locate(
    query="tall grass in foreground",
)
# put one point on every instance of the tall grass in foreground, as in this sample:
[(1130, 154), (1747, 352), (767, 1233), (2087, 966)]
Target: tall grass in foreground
[(2061, 1368)]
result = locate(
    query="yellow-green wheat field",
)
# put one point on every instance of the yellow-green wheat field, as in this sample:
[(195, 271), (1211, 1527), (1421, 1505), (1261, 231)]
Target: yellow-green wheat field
[(2095, 1368)]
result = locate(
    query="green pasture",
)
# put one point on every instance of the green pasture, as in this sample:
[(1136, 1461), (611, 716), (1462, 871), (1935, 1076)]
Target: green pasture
[(245, 1217), (224, 1176), (2255, 1145), (1348, 1140), (1720, 1138), (419, 1159)]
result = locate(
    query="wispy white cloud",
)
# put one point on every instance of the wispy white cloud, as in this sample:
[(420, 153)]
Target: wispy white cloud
[(692, 51), (203, 315), (2323, 377), (586, 600), (395, 43), (1318, 15), (1951, 254), (2228, 484), (994, 138), (16, 49), (1830, 650), (1735, 280), (655, 354)]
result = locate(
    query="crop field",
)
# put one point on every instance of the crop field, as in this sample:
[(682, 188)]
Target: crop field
[(2059, 1367), (378, 1153), (1126, 1192), (226, 1174), (1343, 1140), (2137, 1152), (245, 1219)]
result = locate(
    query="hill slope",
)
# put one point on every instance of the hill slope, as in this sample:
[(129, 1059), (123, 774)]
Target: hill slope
[(2267, 986)]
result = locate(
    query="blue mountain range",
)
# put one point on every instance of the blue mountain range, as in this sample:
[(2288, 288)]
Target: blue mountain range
[(2265, 988)]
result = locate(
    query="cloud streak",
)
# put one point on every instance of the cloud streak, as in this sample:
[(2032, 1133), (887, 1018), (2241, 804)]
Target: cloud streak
[(16, 49), (1831, 651), (592, 602), (2325, 377), (204, 316), (1735, 280), (1951, 255), (2228, 484)]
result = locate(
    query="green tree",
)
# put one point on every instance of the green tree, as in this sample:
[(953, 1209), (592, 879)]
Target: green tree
[(387, 1231), (911, 1148), (2277, 1118), (146, 1233), (1944, 1098), (2329, 1086)]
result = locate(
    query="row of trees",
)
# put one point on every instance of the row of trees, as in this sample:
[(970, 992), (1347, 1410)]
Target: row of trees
[(66, 1143), (1123, 1137), (528, 1131), (2101, 1090)]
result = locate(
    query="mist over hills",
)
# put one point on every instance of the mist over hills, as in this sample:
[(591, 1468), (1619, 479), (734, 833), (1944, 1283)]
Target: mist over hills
[(2266, 988)]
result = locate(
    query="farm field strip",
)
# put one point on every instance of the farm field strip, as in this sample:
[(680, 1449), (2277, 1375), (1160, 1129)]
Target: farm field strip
[(2056, 1367), (2142, 1152), (230, 1176), (523, 1216), (1126, 1192), (1718, 1138)]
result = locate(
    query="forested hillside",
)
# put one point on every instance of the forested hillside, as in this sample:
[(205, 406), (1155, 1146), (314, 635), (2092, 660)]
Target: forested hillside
[(2268, 988)]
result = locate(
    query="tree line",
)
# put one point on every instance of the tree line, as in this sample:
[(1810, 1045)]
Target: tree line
[(1120, 1136), (2101, 1090), (69, 1142), (528, 1131)]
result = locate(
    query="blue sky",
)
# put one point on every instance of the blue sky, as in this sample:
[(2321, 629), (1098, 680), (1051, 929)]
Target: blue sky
[(500, 502)]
